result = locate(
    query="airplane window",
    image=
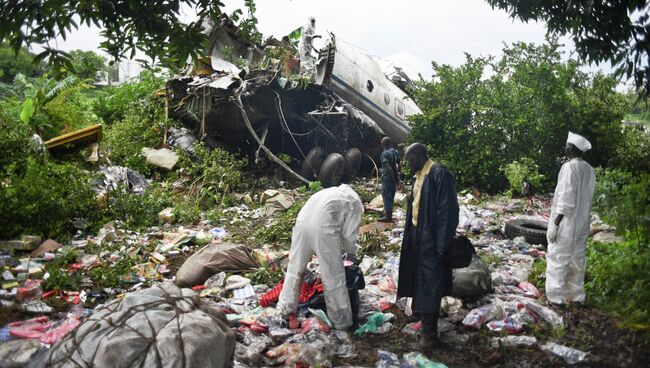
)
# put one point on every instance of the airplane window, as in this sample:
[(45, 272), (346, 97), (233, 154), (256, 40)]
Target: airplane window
[(386, 98), (370, 86), (399, 109)]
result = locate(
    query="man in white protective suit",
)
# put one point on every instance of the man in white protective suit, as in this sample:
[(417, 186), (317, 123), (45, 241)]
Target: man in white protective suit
[(308, 33), (327, 226), (568, 226)]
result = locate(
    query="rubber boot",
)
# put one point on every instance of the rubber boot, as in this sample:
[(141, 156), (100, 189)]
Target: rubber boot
[(429, 340), (387, 218)]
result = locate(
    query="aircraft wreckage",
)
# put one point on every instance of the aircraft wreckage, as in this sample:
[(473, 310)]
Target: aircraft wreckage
[(248, 98)]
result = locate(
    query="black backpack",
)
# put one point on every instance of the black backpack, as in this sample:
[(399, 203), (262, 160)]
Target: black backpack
[(460, 252)]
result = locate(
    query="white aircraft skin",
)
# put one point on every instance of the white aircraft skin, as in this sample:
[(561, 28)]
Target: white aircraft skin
[(358, 78)]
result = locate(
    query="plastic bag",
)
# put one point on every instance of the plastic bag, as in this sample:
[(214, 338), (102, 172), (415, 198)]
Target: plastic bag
[(320, 314), (412, 328), (386, 359), (477, 316), (314, 323), (508, 325), (252, 347), (513, 341), (31, 290), (59, 331), (420, 361), (215, 281), (529, 289), (343, 346), (374, 322), (569, 355), (545, 313)]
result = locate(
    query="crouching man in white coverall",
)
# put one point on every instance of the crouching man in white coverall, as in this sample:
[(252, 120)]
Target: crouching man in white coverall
[(327, 226), (568, 226)]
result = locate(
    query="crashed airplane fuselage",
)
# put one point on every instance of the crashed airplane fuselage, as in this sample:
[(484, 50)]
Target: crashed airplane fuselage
[(326, 122)]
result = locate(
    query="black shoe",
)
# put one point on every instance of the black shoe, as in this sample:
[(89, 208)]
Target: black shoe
[(387, 218), (429, 342)]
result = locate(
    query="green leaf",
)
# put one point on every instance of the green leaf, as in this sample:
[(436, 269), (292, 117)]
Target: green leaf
[(28, 110)]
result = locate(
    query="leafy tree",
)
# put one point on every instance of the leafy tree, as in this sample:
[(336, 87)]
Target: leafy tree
[(12, 63), (88, 65), (154, 27), (485, 114), (614, 30)]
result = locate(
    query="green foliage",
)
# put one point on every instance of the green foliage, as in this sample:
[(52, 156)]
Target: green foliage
[(280, 231), (115, 102), (618, 280), (153, 27), (15, 145), (520, 171), (52, 107), (135, 120), (632, 153), (248, 26), (537, 275), (44, 198), (110, 276), (88, 65), (267, 276), (137, 211), (477, 123), (12, 64), (214, 174), (623, 199), (614, 31)]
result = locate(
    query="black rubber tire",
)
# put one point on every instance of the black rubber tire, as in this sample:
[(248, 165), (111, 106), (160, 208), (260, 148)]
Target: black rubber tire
[(331, 171), (311, 165), (534, 231), (352, 163)]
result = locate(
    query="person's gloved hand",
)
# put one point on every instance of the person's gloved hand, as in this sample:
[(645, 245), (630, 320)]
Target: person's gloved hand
[(551, 233)]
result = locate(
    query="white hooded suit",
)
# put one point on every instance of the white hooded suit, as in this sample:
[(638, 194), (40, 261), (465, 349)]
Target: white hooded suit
[(327, 226), (565, 261)]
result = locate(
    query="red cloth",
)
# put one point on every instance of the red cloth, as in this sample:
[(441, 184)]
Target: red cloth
[(307, 291)]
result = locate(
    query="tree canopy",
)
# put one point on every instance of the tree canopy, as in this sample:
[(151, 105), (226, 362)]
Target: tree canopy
[(610, 30), (153, 27)]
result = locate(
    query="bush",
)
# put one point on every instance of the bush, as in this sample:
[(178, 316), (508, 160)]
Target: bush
[(487, 113), (618, 280), (137, 211), (632, 152), (45, 199), (114, 102), (521, 171), (623, 199), (213, 173)]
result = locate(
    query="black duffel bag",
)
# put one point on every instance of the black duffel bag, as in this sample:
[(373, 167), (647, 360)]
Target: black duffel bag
[(460, 252)]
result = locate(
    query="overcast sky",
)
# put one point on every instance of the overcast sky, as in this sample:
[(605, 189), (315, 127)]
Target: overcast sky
[(409, 33)]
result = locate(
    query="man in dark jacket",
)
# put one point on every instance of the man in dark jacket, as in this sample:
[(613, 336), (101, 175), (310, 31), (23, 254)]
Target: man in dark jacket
[(431, 222), (389, 178)]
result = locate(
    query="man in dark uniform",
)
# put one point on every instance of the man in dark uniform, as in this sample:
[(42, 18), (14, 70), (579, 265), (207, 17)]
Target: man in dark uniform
[(389, 178), (431, 222)]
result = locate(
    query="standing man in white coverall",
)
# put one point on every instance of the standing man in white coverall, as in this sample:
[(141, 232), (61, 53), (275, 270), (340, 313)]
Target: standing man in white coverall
[(568, 226), (327, 226), (307, 35)]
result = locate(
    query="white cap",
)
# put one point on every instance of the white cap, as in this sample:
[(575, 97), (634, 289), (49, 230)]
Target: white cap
[(579, 141)]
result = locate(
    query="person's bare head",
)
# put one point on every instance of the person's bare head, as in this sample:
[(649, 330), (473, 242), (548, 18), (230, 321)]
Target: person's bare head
[(386, 142), (416, 156)]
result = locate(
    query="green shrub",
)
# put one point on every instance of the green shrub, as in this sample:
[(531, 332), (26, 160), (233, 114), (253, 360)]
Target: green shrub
[(518, 172), (137, 211), (213, 174), (488, 112), (124, 140), (115, 102), (45, 199), (632, 153), (618, 280), (623, 199)]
